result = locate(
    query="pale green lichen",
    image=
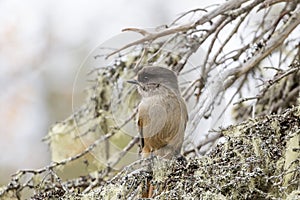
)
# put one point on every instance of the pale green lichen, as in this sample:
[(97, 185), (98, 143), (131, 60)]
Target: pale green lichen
[(262, 162)]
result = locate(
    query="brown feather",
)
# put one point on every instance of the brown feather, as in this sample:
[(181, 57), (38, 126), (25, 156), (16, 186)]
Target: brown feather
[(161, 128)]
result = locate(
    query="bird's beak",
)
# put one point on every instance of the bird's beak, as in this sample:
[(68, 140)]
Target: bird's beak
[(133, 82)]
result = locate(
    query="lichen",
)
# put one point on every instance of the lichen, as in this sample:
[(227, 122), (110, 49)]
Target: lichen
[(261, 162)]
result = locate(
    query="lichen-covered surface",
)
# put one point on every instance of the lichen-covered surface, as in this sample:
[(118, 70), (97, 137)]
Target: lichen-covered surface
[(258, 160)]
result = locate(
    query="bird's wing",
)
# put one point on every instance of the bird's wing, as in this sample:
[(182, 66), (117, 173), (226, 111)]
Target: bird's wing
[(140, 126), (143, 120)]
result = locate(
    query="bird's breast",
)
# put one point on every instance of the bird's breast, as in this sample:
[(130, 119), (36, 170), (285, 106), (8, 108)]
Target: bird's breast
[(161, 119)]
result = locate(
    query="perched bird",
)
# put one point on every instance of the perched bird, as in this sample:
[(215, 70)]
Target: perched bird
[(162, 115), (162, 112)]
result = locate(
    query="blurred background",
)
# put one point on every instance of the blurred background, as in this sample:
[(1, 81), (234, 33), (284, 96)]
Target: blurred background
[(42, 44)]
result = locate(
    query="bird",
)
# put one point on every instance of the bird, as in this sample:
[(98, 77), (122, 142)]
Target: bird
[(162, 112)]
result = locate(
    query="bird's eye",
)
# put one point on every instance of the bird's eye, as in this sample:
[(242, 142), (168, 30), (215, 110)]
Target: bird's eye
[(157, 85)]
